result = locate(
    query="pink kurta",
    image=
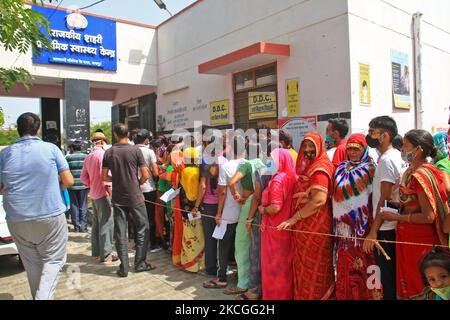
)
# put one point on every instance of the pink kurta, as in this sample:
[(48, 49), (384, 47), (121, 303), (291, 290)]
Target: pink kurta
[(276, 246)]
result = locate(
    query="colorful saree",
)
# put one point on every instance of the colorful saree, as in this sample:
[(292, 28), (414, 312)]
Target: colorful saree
[(276, 246), (425, 179), (193, 240), (313, 254), (352, 217)]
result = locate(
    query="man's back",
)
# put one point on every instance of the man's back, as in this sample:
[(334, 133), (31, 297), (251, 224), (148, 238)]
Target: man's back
[(29, 174), (91, 174), (231, 208), (124, 161), (76, 161)]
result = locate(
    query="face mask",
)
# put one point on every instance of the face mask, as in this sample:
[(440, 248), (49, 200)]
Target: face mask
[(372, 142), (408, 156), (330, 140), (309, 155), (443, 293), (270, 168)]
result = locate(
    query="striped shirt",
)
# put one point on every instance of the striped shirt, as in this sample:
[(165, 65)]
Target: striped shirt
[(76, 161)]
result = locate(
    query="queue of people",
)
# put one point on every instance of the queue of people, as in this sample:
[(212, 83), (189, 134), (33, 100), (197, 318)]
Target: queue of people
[(368, 220)]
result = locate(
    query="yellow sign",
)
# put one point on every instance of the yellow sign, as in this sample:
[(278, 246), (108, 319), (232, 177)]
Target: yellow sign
[(218, 112), (262, 105), (364, 84), (292, 101)]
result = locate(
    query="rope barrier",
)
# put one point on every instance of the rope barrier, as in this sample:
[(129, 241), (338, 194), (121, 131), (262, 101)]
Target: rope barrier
[(377, 242)]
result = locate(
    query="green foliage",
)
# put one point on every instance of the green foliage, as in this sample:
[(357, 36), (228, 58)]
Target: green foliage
[(2, 117), (106, 127), (8, 137), (20, 30)]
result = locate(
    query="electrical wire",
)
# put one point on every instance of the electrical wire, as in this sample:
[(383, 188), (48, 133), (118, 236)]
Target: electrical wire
[(91, 5)]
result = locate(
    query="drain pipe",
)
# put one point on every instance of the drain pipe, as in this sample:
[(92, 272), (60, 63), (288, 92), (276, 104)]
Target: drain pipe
[(417, 51)]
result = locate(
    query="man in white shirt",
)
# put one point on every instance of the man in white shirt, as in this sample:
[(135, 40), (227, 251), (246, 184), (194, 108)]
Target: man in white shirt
[(386, 184), (228, 212), (141, 139)]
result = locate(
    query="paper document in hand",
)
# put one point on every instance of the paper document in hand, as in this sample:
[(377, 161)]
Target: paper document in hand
[(191, 217), (170, 195), (220, 230)]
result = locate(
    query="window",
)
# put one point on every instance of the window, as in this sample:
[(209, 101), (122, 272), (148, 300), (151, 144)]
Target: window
[(244, 80), (261, 79)]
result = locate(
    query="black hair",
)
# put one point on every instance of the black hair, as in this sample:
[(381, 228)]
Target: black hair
[(28, 123), (422, 138), (340, 125), (385, 123), (99, 130), (438, 257), (254, 146), (121, 130), (140, 136), (397, 142), (76, 146), (286, 136), (156, 143), (238, 145)]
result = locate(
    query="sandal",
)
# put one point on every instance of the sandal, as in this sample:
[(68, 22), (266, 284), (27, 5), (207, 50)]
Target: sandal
[(214, 284), (246, 296), (234, 290)]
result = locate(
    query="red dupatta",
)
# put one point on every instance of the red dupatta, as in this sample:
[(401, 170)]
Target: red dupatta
[(306, 168)]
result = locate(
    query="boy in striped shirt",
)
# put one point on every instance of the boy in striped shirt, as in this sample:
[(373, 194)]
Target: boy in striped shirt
[(78, 192)]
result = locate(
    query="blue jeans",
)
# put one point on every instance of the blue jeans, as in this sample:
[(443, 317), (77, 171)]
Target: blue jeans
[(79, 208)]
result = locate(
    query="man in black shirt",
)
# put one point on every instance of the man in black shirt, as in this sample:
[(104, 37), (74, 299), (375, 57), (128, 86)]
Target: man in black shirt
[(125, 161)]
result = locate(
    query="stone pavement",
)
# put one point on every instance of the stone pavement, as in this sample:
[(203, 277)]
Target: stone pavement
[(83, 278)]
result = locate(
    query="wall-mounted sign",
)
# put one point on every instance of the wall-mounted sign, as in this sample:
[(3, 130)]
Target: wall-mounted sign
[(292, 99), (219, 111), (364, 84), (79, 40), (298, 127), (262, 105), (400, 80)]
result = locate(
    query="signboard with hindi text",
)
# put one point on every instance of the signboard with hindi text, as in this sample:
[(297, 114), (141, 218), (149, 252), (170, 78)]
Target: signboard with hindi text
[(218, 111), (262, 105), (292, 100), (298, 127), (79, 40)]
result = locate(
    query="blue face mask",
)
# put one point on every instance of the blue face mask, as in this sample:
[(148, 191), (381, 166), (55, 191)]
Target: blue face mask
[(270, 168)]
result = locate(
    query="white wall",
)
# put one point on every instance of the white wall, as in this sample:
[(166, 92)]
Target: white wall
[(317, 32), (376, 27)]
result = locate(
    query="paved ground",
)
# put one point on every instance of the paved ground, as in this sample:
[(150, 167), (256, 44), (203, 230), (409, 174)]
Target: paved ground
[(101, 282)]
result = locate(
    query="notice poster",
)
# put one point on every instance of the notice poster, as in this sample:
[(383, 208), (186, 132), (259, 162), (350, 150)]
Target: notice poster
[(292, 99), (262, 105), (364, 84), (298, 127), (400, 80), (218, 112)]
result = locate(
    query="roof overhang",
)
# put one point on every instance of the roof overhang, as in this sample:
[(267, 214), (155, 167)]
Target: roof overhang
[(254, 55)]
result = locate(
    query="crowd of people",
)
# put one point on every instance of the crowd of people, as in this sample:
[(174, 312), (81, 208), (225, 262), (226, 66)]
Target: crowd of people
[(358, 218)]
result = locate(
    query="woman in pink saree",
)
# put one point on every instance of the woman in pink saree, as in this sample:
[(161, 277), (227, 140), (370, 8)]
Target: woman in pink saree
[(276, 249)]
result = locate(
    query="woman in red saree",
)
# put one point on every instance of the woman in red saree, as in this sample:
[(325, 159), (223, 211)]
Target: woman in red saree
[(313, 254), (423, 209), (276, 249)]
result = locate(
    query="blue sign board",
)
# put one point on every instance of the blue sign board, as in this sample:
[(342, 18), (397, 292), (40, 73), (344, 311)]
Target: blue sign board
[(79, 40)]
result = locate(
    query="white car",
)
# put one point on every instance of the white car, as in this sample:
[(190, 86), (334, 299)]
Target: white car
[(7, 245)]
